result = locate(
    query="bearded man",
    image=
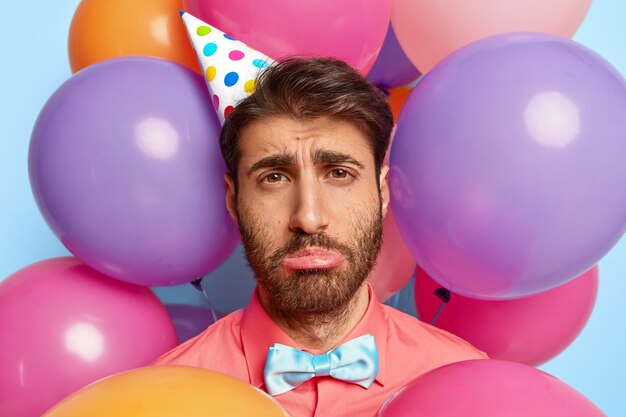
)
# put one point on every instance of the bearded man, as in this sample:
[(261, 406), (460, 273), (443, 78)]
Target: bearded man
[(308, 189)]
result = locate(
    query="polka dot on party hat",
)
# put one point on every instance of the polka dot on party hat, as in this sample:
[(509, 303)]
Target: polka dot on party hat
[(230, 66)]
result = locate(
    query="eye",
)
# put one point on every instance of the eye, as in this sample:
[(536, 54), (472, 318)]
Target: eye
[(273, 178), (339, 173)]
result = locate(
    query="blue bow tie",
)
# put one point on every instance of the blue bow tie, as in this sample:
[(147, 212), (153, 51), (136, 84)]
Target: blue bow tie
[(355, 361)]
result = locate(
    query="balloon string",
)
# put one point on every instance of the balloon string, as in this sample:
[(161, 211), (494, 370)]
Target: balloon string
[(444, 295), (197, 284), (215, 318)]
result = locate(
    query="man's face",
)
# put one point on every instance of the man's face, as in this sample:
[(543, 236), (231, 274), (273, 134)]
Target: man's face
[(309, 210)]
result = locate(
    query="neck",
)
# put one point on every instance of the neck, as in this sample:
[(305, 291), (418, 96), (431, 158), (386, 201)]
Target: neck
[(319, 332)]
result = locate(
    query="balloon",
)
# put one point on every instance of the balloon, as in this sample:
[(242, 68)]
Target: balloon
[(488, 388), (351, 30), (429, 30), (126, 169), (169, 391), (507, 168), (103, 29), (64, 325), (190, 320), (392, 68), (531, 330), (394, 265), (397, 98)]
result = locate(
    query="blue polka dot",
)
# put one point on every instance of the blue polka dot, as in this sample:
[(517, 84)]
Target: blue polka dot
[(231, 79), (229, 37), (209, 49), (260, 63)]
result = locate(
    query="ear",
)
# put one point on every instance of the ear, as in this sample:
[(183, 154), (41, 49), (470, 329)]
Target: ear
[(384, 188), (231, 203)]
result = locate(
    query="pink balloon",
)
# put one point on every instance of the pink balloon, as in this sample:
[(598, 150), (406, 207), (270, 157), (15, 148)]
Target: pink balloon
[(63, 325), (531, 330), (488, 388), (395, 263), (429, 30), (351, 30)]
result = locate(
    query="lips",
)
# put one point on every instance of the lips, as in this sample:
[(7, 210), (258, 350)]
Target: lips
[(313, 258)]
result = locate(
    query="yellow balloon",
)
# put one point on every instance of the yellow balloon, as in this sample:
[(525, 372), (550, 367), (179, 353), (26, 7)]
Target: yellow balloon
[(168, 391)]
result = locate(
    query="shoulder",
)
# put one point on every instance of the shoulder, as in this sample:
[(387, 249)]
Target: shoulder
[(222, 336), (438, 344)]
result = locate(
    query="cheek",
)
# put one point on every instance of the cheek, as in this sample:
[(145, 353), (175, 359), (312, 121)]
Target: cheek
[(352, 214), (362, 200), (263, 215)]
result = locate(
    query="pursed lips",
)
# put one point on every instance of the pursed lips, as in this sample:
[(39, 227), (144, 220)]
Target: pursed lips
[(313, 258)]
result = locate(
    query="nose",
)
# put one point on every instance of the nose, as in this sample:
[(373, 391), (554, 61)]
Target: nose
[(309, 214)]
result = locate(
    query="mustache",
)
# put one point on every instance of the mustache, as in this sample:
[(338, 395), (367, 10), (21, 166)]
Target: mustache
[(303, 240)]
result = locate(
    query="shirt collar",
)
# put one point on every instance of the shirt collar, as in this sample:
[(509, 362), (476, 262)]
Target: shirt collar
[(259, 333)]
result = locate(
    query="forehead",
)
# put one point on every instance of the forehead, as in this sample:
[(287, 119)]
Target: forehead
[(287, 135)]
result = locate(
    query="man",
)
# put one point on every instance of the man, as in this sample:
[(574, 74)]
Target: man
[(307, 186)]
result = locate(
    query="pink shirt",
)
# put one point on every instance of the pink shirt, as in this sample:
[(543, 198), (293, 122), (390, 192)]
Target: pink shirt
[(238, 344)]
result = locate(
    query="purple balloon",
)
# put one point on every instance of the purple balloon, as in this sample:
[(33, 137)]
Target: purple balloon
[(392, 67), (508, 171), (126, 169), (190, 320)]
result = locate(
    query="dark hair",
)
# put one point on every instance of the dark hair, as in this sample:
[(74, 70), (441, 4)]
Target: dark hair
[(309, 88)]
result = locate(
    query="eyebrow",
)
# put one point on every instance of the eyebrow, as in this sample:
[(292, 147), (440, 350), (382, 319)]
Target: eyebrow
[(273, 161), (320, 156), (325, 156)]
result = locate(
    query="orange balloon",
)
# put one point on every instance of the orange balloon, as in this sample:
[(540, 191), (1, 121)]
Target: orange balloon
[(103, 29), (168, 391), (396, 99)]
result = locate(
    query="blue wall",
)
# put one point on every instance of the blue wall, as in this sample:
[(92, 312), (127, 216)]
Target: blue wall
[(34, 63)]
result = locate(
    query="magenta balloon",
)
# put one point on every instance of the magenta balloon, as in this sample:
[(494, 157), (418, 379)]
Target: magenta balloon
[(508, 173), (351, 30), (190, 320), (64, 325), (530, 330), (126, 169), (392, 67), (488, 388)]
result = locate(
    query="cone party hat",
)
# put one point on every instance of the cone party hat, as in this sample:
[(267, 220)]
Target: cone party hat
[(230, 66)]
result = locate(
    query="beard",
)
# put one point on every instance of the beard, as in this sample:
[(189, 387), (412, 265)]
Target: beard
[(312, 291)]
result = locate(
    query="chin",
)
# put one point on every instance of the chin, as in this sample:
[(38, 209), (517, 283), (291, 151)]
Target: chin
[(321, 272)]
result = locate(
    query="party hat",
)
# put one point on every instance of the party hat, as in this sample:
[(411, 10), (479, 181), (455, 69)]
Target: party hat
[(230, 66)]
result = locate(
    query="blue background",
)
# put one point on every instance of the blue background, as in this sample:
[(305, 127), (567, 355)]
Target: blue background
[(34, 64)]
